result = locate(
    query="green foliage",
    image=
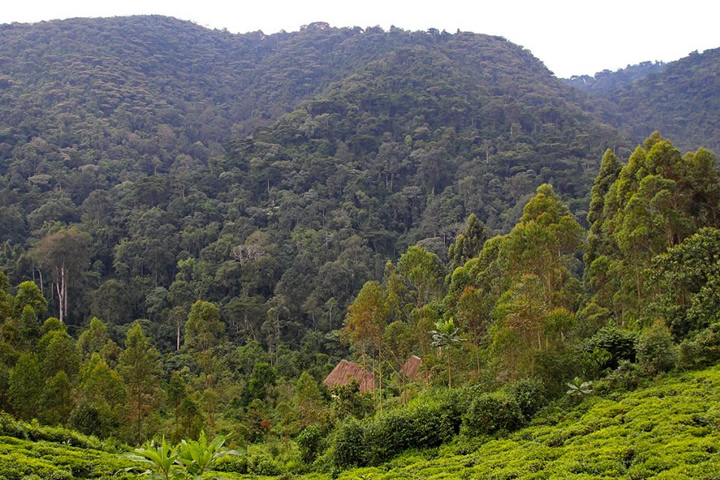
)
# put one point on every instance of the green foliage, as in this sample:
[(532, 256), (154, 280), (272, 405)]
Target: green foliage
[(25, 386), (686, 279), (618, 343), (161, 460), (127, 201), (309, 402), (309, 441), (417, 426), (579, 388), (279, 177), (425, 423), (701, 351), (88, 419), (56, 401), (606, 81), (491, 413), (203, 329), (626, 377), (138, 367), (655, 349), (446, 336), (93, 339), (658, 200), (530, 395), (58, 353), (261, 382), (668, 430), (348, 444), (677, 90), (187, 460), (349, 402)]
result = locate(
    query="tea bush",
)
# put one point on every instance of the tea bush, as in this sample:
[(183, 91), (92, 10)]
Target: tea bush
[(492, 412)]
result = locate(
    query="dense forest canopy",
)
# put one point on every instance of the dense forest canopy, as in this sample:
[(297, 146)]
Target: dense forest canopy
[(678, 98), (196, 226), (131, 134)]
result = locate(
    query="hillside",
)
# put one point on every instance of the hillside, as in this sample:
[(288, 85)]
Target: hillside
[(606, 81), (678, 98), (196, 227), (666, 430), (134, 130)]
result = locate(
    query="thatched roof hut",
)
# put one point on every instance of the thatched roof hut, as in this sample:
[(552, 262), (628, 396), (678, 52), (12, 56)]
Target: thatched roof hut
[(411, 367), (345, 372)]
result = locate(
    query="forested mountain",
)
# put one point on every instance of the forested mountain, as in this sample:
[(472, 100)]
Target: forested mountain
[(678, 98), (195, 226), (132, 134), (606, 81)]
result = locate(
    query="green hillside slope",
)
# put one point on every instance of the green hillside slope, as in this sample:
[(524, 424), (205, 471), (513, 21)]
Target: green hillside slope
[(670, 430), (606, 81), (365, 142), (678, 98)]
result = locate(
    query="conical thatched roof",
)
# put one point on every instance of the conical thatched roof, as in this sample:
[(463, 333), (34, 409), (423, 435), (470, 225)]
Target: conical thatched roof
[(345, 372), (411, 367)]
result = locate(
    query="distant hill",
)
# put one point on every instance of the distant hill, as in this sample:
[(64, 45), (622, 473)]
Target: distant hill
[(679, 98), (148, 88), (682, 101), (606, 81), (169, 144)]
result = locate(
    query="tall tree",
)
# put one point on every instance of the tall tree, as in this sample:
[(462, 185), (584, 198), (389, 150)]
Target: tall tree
[(204, 332), (446, 337), (66, 254), (139, 367), (26, 386), (658, 199), (532, 315), (469, 242), (364, 326), (610, 167), (424, 272), (685, 284)]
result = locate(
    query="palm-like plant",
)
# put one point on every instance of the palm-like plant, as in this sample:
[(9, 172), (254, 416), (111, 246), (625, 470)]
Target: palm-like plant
[(160, 460), (186, 461), (446, 335), (578, 388), (197, 455)]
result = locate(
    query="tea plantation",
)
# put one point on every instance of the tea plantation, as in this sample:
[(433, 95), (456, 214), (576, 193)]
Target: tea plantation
[(670, 430)]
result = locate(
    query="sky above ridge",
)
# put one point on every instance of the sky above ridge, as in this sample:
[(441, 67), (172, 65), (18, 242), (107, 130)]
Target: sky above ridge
[(571, 37)]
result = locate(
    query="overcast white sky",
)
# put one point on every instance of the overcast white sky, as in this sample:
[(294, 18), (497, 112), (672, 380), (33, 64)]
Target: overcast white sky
[(569, 36)]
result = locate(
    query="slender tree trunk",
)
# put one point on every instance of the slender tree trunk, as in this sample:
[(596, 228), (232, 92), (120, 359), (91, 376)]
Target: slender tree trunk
[(138, 420), (59, 288), (447, 352), (65, 290)]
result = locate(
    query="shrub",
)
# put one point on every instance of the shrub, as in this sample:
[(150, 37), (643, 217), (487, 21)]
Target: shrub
[(492, 412), (87, 419), (701, 351), (349, 444), (529, 394), (309, 441), (263, 464), (232, 464), (620, 344), (655, 349), (626, 377)]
